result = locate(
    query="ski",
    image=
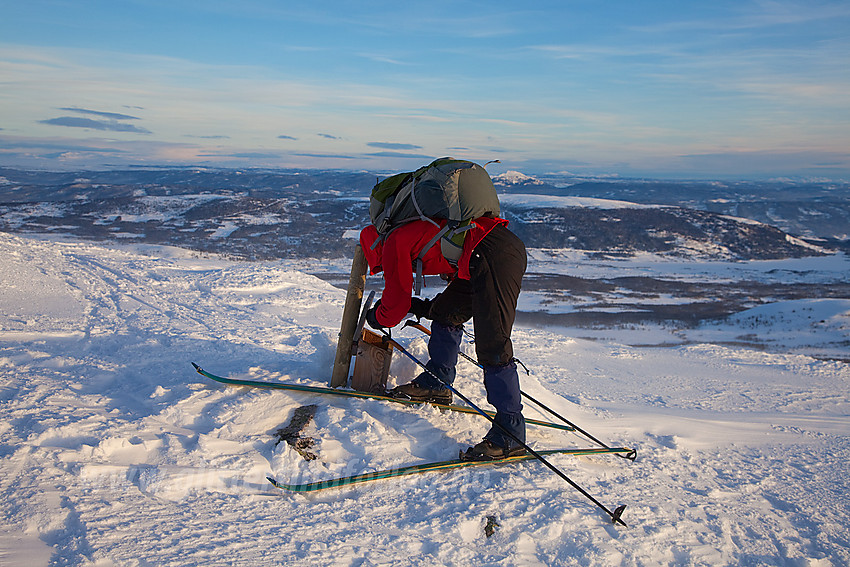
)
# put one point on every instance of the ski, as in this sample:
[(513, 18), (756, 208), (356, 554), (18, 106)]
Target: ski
[(357, 394), (434, 466)]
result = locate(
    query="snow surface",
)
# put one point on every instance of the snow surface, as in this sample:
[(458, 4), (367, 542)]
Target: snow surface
[(113, 451), (522, 200), (512, 177)]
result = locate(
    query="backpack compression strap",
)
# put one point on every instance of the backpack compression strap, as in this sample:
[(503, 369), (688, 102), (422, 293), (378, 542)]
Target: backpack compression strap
[(419, 209)]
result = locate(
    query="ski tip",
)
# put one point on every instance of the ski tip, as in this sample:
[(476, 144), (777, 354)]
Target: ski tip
[(198, 368), (273, 481)]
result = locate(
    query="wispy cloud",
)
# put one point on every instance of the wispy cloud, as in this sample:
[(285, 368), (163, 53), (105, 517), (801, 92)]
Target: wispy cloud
[(109, 115), (327, 136), (331, 156), (10, 143), (389, 154), (393, 146), (112, 121), (211, 137), (767, 162), (285, 137), (91, 124), (242, 155), (752, 15), (382, 58)]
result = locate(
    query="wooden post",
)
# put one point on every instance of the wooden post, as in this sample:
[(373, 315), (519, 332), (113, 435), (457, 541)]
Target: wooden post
[(350, 315)]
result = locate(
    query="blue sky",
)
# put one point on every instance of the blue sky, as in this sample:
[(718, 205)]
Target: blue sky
[(721, 89)]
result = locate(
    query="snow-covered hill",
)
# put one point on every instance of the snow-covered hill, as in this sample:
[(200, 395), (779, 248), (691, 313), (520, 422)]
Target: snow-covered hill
[(113, 451), (512, 177)]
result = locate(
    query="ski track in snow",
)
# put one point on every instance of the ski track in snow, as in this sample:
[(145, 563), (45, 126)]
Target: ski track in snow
[(113, 451)]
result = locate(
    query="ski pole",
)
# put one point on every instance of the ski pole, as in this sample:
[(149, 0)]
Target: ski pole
[(631, 455), (615, 515)]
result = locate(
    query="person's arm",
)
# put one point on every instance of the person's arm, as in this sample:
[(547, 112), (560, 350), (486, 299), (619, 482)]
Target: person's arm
[(398, 280)]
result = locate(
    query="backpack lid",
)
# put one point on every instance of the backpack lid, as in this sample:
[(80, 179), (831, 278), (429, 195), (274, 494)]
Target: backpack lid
[(450, 189)]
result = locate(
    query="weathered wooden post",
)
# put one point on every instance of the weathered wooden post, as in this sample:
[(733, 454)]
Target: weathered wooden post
[(350, 315)]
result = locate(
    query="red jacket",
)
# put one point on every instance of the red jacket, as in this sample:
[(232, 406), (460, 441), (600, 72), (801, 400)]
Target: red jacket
[(396, 257)]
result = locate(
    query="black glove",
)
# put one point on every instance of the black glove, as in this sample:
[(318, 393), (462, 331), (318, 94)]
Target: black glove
[(372, 320), (420, 307)]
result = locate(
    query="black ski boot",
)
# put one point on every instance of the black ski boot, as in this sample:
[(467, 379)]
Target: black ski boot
[(489, 451), (417, 393)]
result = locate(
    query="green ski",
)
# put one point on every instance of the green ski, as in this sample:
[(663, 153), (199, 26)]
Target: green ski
[(435, 466), (356, 394)]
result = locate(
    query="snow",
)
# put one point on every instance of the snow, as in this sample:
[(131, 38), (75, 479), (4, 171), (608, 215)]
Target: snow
[(113, 451), (833, 268), (538, 201), (512, 177)]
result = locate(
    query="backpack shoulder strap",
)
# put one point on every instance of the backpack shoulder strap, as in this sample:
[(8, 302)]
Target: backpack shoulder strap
[(417, 284)]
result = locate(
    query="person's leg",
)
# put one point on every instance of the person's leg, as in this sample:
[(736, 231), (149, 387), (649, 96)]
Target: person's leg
[(497, 267), (443, 348), (449, 310), (503, 393)]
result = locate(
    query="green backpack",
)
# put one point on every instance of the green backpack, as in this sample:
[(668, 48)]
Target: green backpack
[(457, 191)]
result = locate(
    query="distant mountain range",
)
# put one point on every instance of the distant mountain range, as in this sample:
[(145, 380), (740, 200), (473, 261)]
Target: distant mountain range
[(259, 214), (811, 209)]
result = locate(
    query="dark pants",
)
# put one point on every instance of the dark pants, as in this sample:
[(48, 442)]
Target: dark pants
[(489, 298)]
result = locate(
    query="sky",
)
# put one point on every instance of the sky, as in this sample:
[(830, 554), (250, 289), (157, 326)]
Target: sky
[(710, 90)]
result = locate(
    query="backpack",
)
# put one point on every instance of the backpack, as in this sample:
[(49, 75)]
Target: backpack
[(457, 191)]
